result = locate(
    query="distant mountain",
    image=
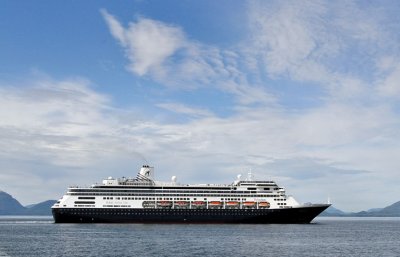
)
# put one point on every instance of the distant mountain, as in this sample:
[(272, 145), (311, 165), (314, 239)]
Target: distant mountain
[(332, 211), (10, 206), (389, 211), (374, 210), (43, 208)]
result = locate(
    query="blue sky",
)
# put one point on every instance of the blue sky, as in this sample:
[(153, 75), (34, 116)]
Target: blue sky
[(303, 92)]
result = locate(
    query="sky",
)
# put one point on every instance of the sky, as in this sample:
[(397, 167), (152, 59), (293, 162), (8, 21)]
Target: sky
[(306, 93)]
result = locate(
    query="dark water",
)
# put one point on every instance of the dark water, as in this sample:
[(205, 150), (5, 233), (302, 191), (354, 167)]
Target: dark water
[(325, 237)]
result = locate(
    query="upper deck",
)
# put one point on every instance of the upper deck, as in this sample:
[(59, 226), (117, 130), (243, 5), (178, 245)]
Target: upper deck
[(145, 183)]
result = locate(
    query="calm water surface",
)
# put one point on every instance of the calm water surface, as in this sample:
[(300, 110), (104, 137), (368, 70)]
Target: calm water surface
[(39, 236)]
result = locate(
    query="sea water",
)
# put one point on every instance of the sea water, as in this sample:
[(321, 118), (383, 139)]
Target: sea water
[(39, 236)]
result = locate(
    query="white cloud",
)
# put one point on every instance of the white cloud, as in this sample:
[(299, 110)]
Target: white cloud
[(51, 117), (182, 109), (331, 44), (148, 43), (389, 86), (247, 95), (162, 52), (284, 33), (116, 28), (64, 129), (358, 23)]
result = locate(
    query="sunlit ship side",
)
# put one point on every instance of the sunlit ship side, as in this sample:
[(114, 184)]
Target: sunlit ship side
[(144, 200)]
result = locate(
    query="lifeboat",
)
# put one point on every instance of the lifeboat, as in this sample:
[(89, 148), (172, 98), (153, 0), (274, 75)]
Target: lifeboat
[(232, 203), (214, 203), (198, 203), (164, 203), (249, 204), (181, 203), (263, 204)]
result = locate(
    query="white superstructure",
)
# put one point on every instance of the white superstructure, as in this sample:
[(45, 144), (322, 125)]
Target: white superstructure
[(143, 192)]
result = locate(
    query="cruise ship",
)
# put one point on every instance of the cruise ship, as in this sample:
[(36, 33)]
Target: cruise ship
[(144, 200)]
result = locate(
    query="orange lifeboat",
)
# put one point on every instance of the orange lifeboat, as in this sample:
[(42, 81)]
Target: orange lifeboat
[(263, 204), (232, 203), (214, 203), (249, 204)]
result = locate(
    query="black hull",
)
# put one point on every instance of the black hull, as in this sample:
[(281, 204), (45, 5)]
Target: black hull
[(260, 216)]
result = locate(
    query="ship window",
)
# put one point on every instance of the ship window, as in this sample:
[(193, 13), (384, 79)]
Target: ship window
[(251, 188), (266, 188), (82, 202)]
